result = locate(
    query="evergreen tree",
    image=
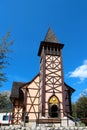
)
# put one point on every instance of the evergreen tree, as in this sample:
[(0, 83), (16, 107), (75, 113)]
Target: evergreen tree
[(82, 107), (74, 109), (5, 103), (79, 108)]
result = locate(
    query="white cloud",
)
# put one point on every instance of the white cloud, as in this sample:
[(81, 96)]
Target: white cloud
[(80, 72), (77, 96), (84, 92)]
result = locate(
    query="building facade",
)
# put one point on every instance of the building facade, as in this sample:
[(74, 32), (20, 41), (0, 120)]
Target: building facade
[(46, 98)]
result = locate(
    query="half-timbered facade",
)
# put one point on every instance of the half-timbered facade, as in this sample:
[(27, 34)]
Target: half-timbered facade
[(46, 98)]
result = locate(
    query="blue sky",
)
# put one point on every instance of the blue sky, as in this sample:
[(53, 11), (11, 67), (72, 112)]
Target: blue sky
[(28, 21)]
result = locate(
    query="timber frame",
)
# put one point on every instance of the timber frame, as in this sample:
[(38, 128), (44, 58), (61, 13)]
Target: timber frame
[(46, 95)]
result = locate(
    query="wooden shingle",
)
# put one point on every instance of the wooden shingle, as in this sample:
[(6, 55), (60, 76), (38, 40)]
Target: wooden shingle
[(15, 89)]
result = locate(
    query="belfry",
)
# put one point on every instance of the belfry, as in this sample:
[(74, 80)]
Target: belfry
[(46, 98)]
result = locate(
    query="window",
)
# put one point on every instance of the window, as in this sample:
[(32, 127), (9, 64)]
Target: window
[(5, 117)]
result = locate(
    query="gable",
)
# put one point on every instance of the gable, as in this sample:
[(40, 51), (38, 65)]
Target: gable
[(15, 89), (18, 85)]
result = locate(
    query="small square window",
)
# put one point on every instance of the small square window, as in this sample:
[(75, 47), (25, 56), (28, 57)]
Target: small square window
[(5, 117)]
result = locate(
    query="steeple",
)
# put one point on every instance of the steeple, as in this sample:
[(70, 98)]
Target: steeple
[(51, 77), (50, 44), (50, 37)]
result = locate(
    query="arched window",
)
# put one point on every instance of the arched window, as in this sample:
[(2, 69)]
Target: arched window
[(53, 107)]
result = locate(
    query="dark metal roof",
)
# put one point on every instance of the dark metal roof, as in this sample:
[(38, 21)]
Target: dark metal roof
[(50, 41), (46, 44), (15, 89), (50, 37), (69, 88), (15, 93)]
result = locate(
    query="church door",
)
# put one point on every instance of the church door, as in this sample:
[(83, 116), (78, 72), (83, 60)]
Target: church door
[(54, 111), (54, 107)]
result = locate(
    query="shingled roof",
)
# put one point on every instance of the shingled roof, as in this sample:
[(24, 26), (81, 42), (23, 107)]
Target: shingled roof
[(69, 88), (50, 37), (50, 41), (15, 92), (15, 89)]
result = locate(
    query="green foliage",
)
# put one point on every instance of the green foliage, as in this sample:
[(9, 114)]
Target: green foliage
[(74, 109), (5, 43), (82, 107), (5, 103), (79, 108)]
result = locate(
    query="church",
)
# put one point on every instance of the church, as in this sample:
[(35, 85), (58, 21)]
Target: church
[(46, 99)]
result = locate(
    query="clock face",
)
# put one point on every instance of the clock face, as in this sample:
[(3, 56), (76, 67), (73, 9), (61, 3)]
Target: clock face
[(54, 100)]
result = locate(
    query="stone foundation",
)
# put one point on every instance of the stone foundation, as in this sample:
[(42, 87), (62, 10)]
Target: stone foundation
[(53, 127), (65, 122)]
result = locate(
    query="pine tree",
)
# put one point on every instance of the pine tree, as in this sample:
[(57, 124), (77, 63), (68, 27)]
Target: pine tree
[(82, 107), (5, 103), (79, 108)]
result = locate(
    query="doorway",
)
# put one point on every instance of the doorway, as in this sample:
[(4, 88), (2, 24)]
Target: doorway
[(54, 111), (53, 107)]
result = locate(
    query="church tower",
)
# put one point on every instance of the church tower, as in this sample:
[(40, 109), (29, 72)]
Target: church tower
[(46, 99), (52, 98)]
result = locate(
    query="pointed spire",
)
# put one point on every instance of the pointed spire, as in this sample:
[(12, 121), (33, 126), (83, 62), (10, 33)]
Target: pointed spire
[(50, 37)]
